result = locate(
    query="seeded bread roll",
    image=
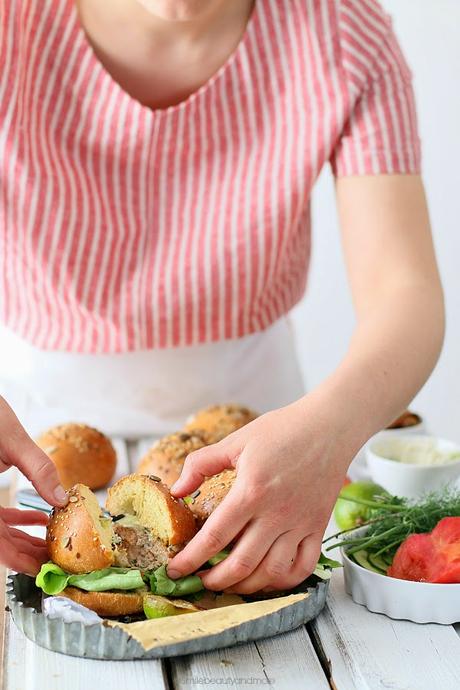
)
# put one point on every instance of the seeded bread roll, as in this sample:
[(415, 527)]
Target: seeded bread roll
[(221, 420), (107, 603), (148, 500), (79, 537), (80, 453), (210, 494), (165, 459), (407, 419)]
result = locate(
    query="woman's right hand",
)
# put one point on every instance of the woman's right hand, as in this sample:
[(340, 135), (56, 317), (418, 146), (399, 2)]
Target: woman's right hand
[(19, 550)]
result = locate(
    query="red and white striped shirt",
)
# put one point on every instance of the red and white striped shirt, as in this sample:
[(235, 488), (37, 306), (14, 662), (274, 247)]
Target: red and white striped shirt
[(124, 228)]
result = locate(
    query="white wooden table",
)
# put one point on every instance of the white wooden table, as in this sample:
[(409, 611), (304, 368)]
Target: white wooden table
[(346, 648)]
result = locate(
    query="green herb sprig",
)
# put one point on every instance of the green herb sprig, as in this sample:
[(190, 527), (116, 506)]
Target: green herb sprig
[(395, 518)]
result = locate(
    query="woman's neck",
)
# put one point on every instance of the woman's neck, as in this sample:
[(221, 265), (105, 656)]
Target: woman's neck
[(161, 62), (214, 19)]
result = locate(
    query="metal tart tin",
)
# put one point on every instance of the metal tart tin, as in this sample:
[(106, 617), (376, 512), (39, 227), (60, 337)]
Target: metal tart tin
[(99, 641)]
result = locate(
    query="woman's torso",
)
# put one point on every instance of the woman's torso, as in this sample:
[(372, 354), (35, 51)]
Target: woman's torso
[(127, 228), (149, 257)]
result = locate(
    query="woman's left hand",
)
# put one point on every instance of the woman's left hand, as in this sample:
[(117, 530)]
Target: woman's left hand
[(290, 467)]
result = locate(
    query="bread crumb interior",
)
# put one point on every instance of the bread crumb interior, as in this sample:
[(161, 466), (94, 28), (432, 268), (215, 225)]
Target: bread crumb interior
[(102, 524), (145, 503)]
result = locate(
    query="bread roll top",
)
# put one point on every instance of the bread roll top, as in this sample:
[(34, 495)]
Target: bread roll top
[(165, 459), (221, 420), (80, 453), (210, 494)]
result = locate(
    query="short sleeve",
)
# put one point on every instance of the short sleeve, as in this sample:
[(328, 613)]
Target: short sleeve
[(380, 135)]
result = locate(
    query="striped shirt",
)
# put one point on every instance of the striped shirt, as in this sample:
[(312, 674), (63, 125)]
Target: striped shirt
[(124, 228)]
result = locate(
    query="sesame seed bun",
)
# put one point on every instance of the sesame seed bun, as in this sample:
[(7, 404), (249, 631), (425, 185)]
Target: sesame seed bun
[(165, 459), (220, 420), (210, 494), (78, 540), (80, 453), (107, 604), (150, 501)]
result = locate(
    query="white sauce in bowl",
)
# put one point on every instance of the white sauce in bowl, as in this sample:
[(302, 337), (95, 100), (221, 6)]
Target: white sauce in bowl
[(417, 451)]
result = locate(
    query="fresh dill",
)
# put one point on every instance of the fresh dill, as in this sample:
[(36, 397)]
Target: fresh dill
[(394, 519)]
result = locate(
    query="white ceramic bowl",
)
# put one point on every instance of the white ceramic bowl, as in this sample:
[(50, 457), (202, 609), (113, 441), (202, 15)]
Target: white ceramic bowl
[(410, 480), (420, 602), (358, 470)]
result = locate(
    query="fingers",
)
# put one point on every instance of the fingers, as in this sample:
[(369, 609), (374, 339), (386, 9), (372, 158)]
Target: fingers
[(29, 546), (18, 534), (274, 570), (17, 448), (278, 570), (14, 516), (244, 558), (17, 555), (218, 531), (41, 471), (21, 551), (201, 464), (307, 557), (37, 553)]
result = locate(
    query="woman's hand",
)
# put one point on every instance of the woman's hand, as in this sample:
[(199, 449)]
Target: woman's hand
[(290, 463), (19, 550), (289, 472)]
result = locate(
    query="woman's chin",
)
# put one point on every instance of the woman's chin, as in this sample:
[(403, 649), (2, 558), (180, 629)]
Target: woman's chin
[(176, 10)]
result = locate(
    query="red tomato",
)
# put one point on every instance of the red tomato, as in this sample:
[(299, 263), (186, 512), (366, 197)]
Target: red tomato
[(413, 559), (446, 538), (433, 557)]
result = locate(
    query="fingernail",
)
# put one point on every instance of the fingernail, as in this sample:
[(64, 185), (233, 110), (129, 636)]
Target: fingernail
[(174, 486), (173, 574), (60, 495)]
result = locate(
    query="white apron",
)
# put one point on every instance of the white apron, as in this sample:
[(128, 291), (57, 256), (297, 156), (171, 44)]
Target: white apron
[(149, 392)]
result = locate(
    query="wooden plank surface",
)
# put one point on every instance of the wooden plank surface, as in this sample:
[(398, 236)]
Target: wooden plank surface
[(31, 667), (368, 650), (286, 661)]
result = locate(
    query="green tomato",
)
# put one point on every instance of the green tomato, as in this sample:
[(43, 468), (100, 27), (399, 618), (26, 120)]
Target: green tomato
[(348, 514)]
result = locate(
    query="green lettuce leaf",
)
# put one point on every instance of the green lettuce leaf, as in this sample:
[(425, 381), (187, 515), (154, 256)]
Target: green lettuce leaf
[(161, 584), (53, 580), (109, 578), (219, 557), (328, 562), (325, 566)]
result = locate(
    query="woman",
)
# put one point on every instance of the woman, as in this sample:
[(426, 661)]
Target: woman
[(158, 158)]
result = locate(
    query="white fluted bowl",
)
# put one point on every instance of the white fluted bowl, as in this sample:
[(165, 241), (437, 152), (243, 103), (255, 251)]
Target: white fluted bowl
[(419, 602)]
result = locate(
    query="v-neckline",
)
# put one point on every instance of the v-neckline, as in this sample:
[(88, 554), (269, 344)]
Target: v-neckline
[(203, 90)]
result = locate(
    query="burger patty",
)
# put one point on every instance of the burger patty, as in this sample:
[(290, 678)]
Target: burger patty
[(137, 547)]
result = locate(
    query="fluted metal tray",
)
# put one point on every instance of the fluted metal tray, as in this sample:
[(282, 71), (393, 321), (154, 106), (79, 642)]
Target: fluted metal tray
[(100, 641)]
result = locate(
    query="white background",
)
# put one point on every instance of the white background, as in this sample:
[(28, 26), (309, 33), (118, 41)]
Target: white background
[(429, 32)]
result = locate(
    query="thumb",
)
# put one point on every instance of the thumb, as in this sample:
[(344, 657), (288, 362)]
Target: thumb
[(200, 464), (33, 462)]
